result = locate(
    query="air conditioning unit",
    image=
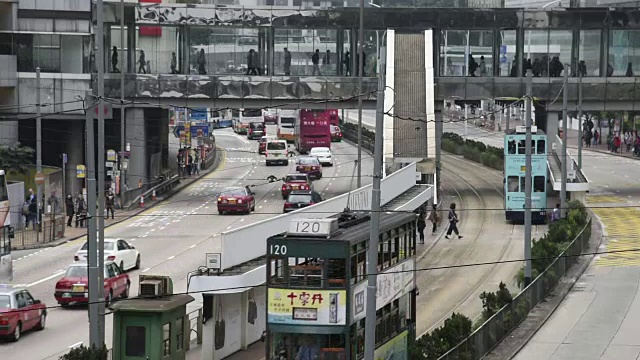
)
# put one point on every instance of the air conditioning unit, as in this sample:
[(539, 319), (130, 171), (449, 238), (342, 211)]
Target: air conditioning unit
[(153, 285)]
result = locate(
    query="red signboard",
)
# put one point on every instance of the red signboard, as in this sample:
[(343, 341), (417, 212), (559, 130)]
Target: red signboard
[(155, 31)]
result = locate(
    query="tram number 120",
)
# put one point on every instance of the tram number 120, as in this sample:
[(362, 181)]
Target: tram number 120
[(308, 227), (278, 249)]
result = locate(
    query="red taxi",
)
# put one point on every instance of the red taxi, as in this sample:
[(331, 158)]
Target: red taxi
[(262, 145), (239, 199), (20, 312), (293, 182), (336, 133), (74, 286), (309, 165)]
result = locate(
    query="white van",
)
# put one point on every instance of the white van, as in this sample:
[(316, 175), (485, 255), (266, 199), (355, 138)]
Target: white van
[(277, 152)]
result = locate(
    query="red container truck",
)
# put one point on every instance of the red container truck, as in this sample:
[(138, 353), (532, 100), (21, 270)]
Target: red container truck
[(312, 129)]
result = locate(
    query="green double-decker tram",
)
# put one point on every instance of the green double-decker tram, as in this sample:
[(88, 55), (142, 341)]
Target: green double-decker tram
[(316, 288)]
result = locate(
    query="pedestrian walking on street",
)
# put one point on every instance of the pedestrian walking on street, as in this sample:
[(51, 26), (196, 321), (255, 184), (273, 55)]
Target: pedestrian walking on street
[(555, 214), (114, 60), (33, 213), (202, 62), (81, 211), (70, 207), (174, 63), (433, 217), (110, 203), (453, 222), (421, 225)]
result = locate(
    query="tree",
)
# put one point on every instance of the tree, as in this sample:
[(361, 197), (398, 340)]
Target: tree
[(86, 353), (16, 158)]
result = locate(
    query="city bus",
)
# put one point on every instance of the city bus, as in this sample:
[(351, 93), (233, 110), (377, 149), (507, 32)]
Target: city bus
[(317, 282), (246, 117), (286, 124), (312, 129), (514, 174), (6, 232)]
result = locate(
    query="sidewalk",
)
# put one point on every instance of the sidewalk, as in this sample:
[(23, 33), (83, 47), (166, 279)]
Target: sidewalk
[(73, 233), (601, 148)]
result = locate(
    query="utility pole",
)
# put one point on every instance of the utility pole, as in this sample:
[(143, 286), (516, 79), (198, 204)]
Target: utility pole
[(359, 94), (466, 119), (122, 110), (372, 251), (38, 151), (580, 134), (563, 157), (92, 236), (527, 182), (100, 168)]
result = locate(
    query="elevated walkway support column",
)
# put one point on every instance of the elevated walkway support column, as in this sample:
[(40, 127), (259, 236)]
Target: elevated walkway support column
[(389, 100), (136, 135), (553, 123)]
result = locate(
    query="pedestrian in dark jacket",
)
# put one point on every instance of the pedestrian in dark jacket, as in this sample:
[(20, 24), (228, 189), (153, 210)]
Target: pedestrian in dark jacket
[(433, 217), (68, 203), (453, 222), (110, 203), (421, 225), (81, 211)]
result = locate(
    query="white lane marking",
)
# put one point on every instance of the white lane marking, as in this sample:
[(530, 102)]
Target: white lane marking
[(192, 246), (75, 345), (55, 275), (260, 207), (241, 220), (266, 200), (144, 236), (206, 207), (147, 269), (171, 257), (161, 228), (152, 230), (228, 227)]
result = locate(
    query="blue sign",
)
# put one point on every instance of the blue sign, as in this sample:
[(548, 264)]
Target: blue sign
[(198, 114), (503, 54), (194, 130)]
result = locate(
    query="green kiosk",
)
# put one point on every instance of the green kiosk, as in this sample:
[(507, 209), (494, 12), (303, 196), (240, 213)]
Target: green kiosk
[(152, 326)]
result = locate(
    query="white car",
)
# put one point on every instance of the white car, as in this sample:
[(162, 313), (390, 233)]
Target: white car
[(323, 154), (116, 250)]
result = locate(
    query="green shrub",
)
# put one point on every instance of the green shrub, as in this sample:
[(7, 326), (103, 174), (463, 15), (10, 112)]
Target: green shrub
[(86, 353), (451, 147), (435, 344), (472, 154), (453, 137), (494, 301), (477, 145), (491, 160)]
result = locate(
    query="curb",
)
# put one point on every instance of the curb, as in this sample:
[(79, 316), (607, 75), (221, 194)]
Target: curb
[(606, 152), (168, 195)]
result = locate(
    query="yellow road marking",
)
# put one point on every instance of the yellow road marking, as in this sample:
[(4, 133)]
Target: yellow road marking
[(600, 199), (620, 225)]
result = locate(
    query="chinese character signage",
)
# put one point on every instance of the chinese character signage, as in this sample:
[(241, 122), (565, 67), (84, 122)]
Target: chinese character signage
[(307, 307)]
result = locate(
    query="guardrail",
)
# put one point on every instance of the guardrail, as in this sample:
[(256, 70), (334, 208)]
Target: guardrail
[(195, 325), (497, 327), (574, 163), (249, 242), (161, 188)]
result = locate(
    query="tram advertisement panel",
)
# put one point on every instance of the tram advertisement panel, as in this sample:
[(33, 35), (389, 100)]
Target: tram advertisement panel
[(307, 307), (394, 349)]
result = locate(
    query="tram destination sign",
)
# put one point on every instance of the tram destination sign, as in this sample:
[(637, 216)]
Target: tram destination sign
[(312, 227)]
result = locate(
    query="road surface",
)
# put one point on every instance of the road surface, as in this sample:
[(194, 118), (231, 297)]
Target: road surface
[(172, 238)]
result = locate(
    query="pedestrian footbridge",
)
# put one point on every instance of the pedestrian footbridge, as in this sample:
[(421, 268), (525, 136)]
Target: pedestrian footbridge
[(577, 182), (243, 267)]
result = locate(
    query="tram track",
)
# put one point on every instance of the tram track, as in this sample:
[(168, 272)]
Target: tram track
[(453, 290)]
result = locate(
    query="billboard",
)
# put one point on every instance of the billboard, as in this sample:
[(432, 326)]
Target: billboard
[(198, 114), (392, 284), (306, 307), (394, 349)]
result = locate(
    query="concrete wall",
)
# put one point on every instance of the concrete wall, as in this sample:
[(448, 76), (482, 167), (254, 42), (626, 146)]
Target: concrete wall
[(56, 89), (71, 56), (58, 5)]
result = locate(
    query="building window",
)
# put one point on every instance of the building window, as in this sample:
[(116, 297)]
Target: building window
[(269, 2), (166, 339), (297, 2), (136, 341), (179, 334)]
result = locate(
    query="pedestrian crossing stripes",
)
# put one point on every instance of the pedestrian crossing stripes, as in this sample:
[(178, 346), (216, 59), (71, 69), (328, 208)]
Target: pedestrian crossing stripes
[(620, 224), (242, 160), (241, 150), (155, 218)]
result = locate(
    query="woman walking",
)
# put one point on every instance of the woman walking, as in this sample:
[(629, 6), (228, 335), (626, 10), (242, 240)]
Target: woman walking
[(453, 222)]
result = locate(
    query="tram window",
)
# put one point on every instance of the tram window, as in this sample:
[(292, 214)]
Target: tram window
[(277, 276), (336, 273), (522, 147), (522, 184), (512, 147), (538, 183), (542, 147), (512, 183)]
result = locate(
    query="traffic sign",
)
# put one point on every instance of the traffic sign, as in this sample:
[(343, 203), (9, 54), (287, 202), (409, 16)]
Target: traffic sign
[(107, 110), (194, 130), (39, 178), (81, 171)]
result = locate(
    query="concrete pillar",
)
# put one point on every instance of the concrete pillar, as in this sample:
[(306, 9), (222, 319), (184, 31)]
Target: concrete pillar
[(136, 135), (74, 147), (553, 124), (9, 131), (131, 47), (208, 331), (244, 343)]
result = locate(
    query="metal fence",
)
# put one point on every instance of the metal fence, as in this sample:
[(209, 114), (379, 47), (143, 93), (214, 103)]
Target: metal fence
[(195, 322), (50, 231), (489, 335)]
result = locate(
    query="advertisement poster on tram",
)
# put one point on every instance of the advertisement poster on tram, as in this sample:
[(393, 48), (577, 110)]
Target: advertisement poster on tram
[(394, 349), (307, 307)]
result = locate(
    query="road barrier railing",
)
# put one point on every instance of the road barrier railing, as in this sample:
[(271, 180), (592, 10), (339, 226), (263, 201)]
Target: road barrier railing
[(497, 327)]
